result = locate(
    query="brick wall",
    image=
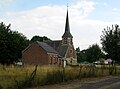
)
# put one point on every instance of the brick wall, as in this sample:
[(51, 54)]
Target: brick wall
[(35, 55), (71, 56), (71, 52)]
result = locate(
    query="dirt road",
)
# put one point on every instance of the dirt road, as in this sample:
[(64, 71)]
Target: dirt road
[(88, 83), (112, 83)]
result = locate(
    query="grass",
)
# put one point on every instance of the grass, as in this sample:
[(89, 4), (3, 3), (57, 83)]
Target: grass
[(21, 77)]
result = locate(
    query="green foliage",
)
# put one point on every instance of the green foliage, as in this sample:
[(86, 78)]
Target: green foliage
[(78, 55), (11, 44), (93, 53), (39, 38), (81, 55), (111, 42)]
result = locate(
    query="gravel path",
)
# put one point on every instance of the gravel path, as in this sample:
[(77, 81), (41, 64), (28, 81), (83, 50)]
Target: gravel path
[(112, 83), (88, 83)]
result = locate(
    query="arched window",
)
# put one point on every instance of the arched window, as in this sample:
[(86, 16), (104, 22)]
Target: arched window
[(65, 40), (71, 51), (50, 59)]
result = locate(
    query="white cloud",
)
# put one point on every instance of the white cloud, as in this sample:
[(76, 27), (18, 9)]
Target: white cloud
[(43, 20), (4, 2), (50, 21), (115, 9), (105, 4), (84, 6)]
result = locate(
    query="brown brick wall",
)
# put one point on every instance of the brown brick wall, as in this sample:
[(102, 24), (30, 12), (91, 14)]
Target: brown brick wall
[(35, 55), (71, 52), (54, 60)]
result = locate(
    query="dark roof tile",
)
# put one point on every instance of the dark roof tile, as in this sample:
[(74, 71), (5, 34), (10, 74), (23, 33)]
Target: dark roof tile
[(46, 47), (57, 45), (62, 50)]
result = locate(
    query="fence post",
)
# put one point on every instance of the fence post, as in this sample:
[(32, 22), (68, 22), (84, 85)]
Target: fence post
[(63, 74), (80, 69)]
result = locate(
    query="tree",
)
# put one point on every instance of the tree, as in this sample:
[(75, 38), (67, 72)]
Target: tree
[(4, 35), (81, 56), (110, 41), (39, 38), (11, 44), (93, 53)]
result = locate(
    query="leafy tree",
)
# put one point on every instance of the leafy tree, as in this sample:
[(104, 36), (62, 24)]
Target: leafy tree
[(93, 53), (4, 35), (81, 56), (45, 38), (39, 38), (11, 44), (110, 41)]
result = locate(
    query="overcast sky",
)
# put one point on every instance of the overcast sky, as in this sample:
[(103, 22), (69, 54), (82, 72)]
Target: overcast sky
[(87, 18)]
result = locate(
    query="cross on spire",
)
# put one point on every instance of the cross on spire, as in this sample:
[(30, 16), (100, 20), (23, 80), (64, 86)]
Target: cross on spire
[(67, 6)]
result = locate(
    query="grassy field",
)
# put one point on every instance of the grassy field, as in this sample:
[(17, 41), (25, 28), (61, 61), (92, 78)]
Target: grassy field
[(21, 77)]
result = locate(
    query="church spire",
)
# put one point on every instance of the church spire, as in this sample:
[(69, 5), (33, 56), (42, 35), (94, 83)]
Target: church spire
[(67, 37), (67, 27)]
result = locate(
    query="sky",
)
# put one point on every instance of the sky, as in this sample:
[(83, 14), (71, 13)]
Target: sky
[(87, 18)]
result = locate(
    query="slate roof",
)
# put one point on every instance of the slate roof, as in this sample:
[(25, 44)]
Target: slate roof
[(57, 45), (46, 47), (52, 47), (54, 44), (62, 50)]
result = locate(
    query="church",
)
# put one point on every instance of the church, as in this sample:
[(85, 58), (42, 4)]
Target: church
[(52, 52)]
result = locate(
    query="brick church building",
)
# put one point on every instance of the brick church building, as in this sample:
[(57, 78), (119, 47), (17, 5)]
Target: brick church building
[(51, 52)]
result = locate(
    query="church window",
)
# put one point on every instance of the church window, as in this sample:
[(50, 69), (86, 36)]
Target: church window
[(71, 51), (59, 61), (50, 59), (65, 40), (54, 58)]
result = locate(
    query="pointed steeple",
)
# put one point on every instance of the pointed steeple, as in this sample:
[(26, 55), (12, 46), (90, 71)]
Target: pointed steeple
[(67, 27)]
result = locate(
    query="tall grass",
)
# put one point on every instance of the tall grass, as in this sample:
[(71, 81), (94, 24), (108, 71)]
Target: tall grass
[(21, 77)]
